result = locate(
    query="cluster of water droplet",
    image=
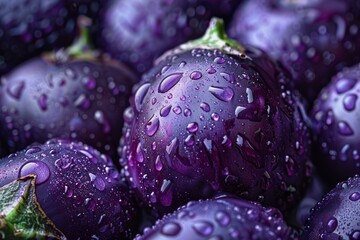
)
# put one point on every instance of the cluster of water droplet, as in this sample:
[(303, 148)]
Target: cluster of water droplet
[(314, 39), (79, 100), (202, 122), (336, 116), (220, 218), (77, 188), (337, 215)]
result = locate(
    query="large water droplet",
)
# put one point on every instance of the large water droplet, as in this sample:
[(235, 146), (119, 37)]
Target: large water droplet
[(331, 225), (165, 68), (222, 218), (171, 229), (42, 102), (140, 95), (158, 164), (222, 93), (349, 101), (192, 127), (177, 110), (152, 126), (250, 97), (205, 107), (82, 102), (355, 196), (15, 90), (203, 228), (139, 153), (345, 129), (355, 235), (190, 140), (219, 60), (345, 84), (165, 111), (196, 75), (169, 82), (38, 168)]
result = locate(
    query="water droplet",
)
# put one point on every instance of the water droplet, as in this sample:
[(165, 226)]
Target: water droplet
[(290, 165), (215, 116), (192, 127), (205, 107), (349, 101), (152, 126), (140, 95), (165, 68), (227, 77), (208, 145), (177, 110), (203, 228), (222, 218), (38, 168), (250, 97), (187, 112), (226, 141), (345, 129), (355, 196), (89, 82), (238, 110), (102, 120), (15, 90), (42, 102), (355, 235), (222, 93), (139, 153), (331, 225), (171, 229), (165, 185), (82, 102), (345, 84), (190, 140), (169, 82), (158, 164), (68, 192), (182, 64), (165, 111), (219, 60), (211, 70), (248, 151), (32, 150), (196, 75), (70, 73)]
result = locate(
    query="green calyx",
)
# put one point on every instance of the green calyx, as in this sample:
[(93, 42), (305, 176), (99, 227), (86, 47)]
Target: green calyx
[(214, 38), (21, 216)]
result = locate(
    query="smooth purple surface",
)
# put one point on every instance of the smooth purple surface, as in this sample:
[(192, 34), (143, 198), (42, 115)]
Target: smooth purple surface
[(138, 31), (337, 215), (314, 39), (77, 99), (231, 130), (77, 187), (220, 218), (336, 116)]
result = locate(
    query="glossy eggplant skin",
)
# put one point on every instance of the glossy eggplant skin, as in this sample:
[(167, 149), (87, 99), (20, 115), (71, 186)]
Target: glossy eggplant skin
[(337, 215), (78, 99), (136, 32), (224, 217), (77, 188), (336, 116), (203, 122), (314, 39)]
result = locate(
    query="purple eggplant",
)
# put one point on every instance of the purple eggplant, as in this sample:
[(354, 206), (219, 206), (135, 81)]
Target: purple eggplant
[(64, 190), (337, 215), (314, 39), (76, 94), (138, 31), (336, 117), (224, 218), (212, 117)]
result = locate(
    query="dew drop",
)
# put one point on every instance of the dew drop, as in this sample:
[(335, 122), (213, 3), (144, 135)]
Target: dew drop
[(140, 95), (102, 120), (187, 112), (158, 164), (89, 82), (38, 168), (222, 218), (165, 68), (205, 107), (171, 229), (164, 111), (211, 70), (42, 102), (219, 60), (196, 75), (169, 82), (215, 116), (177, 110), (250, 97), (82, 102), (203, 228), (139, 153), (331, 225), (344, 85), (15, 90), (355, 196), (192, 127), (345, 129), (355, 235), (68, 192), (222, 93), (349, 102), (190, 140), (152, 126)]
